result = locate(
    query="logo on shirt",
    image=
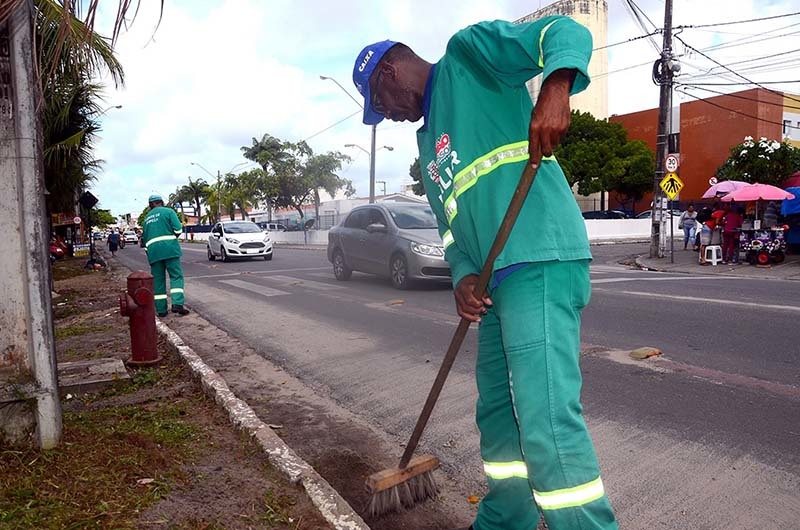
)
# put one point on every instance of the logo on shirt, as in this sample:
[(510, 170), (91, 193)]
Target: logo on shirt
[(443, 148), (441, 168)]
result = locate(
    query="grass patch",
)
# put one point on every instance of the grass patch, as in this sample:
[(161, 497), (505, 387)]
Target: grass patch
[(80, 329), (66, 268), (90, 481)]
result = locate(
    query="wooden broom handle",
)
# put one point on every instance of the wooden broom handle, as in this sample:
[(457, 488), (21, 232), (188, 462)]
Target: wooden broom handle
[(514, 207)]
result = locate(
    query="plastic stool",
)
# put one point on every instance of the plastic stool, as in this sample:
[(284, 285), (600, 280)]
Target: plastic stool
[(716, 254)]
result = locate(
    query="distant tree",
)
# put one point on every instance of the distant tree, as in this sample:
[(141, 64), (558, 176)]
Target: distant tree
[(416, 174), (267, 152), (597, 157), (196, 192), (243, 189), (140, 219), (102, 218), (319, 173), (765, 161)]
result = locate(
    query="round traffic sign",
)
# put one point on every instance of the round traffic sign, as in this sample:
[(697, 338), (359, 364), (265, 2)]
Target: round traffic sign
[(672, 163), (77, 220)]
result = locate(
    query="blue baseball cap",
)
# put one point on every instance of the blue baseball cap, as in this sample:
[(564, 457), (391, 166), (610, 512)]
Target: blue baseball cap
[(365, 64), (155, 198)]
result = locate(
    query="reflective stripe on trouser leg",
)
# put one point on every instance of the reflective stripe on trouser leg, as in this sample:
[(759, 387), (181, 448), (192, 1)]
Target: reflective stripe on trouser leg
[(509, 503), (175, 280), (159, 271), (539, 308)]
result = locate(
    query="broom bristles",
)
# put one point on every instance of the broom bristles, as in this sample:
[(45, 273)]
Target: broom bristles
[(405, 495)]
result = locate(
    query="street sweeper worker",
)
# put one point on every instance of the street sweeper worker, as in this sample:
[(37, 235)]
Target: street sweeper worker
[(161, 231), (479, 130)]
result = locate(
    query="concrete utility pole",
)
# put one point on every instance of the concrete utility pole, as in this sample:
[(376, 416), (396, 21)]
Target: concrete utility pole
[(28, 378), (663, 76)]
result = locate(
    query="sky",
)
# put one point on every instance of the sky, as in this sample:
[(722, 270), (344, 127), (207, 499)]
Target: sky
[(215, 74)]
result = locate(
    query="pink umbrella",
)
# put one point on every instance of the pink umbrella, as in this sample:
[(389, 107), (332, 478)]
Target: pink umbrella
[(757, 192), (723, 188)]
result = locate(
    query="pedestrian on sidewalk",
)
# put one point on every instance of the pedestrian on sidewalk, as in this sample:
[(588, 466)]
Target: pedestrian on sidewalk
[(688, 223), (479, 131), (731, 227), (113, 242), (161, 231)]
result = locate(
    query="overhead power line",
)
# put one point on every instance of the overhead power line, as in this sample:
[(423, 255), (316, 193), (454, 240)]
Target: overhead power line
[(734, 83), (737, 111), (731, 70), (734, 95), (332, 125), (693, 26), (656, 32)]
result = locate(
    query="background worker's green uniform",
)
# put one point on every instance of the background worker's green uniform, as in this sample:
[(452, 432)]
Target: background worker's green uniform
[(537, 452), (160, 232)]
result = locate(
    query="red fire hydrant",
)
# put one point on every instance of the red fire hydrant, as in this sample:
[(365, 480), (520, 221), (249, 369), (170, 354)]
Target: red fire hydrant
[(137, 303)]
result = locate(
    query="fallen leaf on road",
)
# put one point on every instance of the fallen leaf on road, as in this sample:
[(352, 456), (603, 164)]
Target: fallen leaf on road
[(273, 426), (473, 499), (145, 481), (395, 302), (645, 353)]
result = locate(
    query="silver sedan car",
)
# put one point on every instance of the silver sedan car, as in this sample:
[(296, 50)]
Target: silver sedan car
[(395, 240)]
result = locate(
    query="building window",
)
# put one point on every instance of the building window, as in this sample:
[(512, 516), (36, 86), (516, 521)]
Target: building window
[(786, 125), (584, 7)]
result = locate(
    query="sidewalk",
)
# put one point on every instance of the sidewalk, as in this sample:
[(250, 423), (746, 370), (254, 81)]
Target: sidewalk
[(686, 262)]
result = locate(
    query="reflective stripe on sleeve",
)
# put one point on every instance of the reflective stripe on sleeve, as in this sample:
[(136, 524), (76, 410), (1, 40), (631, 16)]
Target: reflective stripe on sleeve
[(159, 297), (504, 470), (176, 290), (159, 238), (541, 42), (570, 497), (448, 239)]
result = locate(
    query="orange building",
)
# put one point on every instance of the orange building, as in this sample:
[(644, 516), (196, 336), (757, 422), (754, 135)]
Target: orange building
[(705, 130)]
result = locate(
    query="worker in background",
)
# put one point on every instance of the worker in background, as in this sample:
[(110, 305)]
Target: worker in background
[(479, 131), (161, 231)]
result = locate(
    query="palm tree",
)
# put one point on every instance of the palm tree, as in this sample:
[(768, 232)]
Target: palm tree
[(268, 152), (196, 192), (319, 172), (70, 55)]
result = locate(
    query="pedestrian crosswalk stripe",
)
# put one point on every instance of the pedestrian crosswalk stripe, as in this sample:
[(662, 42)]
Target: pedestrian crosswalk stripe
[(291, 281), (254, 287)]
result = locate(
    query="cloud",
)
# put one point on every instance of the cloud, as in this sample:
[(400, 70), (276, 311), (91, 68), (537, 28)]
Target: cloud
[(217, 73)]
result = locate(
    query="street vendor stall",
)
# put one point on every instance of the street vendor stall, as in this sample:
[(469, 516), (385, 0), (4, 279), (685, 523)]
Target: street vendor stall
[(762, 245), (790, 210)]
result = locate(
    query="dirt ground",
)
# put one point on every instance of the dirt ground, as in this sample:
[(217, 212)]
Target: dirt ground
[(339, 445), (150, 453)]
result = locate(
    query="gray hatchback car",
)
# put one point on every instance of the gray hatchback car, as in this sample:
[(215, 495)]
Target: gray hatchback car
[(396, 240)]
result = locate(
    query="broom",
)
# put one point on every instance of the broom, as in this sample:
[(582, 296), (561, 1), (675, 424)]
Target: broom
[(412, 482)]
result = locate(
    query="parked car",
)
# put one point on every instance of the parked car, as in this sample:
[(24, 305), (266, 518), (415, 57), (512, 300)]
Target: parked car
[(647, 214), (238, 239), (395, 240), (272, 227), (130, 236), (605, 214)]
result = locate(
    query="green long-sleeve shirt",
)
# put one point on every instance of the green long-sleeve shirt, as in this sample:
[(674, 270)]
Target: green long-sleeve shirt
[(474, 143), (160, 232)]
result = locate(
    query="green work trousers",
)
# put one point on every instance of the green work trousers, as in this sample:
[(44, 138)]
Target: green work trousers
[(159, 270), (538, 455)]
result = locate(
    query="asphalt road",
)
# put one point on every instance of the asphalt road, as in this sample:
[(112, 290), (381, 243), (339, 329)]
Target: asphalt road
[(706, 437)]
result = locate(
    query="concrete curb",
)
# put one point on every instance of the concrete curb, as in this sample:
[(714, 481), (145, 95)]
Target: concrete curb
[(330, 504)]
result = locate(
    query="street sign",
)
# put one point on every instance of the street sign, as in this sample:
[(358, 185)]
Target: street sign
[(672, 163), (672, 185), (712, 181), (77, 220)]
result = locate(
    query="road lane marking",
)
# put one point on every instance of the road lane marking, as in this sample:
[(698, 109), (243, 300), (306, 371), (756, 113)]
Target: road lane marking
[(701, 299), (230, 274), (254, 287), (311, 284)]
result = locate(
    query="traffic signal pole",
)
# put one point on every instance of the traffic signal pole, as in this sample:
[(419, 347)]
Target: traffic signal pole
[(663, 76)]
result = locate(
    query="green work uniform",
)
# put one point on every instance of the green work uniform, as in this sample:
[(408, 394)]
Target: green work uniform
[(161, 231), (537, 452)]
